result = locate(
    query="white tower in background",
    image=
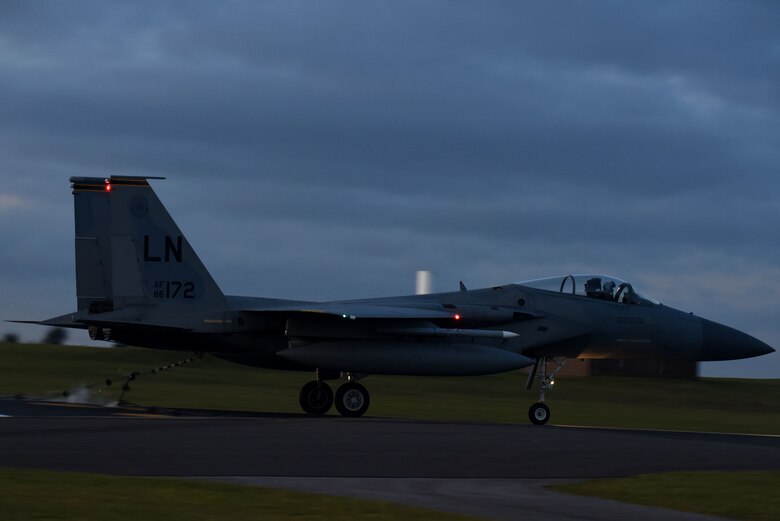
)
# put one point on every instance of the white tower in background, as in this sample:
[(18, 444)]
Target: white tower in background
[(423, 284)]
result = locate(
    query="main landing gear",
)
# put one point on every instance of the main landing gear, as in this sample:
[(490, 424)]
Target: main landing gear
[(352, 399), (316, 397), (539, 413)]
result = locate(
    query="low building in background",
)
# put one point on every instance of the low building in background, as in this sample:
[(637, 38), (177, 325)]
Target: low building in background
[(646, 368)]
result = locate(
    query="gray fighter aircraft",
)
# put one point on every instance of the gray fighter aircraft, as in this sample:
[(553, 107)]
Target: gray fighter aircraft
[(139, 282)]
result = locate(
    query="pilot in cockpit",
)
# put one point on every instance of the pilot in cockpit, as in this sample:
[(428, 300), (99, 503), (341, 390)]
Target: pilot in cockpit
[(594, 289), (609, 290)]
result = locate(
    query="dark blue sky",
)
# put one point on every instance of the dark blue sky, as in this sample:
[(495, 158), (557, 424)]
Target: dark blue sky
[(327, 150)]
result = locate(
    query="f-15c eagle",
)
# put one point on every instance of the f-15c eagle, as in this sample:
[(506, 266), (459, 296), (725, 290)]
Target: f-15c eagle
[(139, 282)]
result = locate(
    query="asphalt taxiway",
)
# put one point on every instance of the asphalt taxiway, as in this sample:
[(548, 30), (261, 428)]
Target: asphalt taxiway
[(493, 470)]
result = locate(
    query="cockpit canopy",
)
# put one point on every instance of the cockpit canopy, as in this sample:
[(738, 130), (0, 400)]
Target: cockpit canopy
[(601, 287)]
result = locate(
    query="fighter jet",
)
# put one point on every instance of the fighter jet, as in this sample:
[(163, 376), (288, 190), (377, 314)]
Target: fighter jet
[(139, 282)]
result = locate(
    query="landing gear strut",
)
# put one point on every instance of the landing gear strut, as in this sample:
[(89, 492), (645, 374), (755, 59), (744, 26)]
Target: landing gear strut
[(352, 399), (539, 413)]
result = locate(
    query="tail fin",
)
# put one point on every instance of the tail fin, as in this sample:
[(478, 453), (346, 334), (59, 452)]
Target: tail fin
[(130, 253)]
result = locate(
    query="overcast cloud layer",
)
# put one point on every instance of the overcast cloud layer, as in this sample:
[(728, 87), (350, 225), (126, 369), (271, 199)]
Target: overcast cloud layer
[(326, 150)]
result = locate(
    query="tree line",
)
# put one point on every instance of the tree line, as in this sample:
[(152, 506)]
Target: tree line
[(54, 335)]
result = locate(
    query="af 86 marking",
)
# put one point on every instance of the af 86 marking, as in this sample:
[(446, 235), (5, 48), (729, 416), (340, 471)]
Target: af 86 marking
[(173, 289)]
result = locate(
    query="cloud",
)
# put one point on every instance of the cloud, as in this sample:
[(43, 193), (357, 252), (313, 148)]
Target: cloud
[(9, 201), (328, 151)]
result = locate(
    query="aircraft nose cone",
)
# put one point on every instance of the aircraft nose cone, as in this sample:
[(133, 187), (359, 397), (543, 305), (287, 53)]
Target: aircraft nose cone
[(721, 342)]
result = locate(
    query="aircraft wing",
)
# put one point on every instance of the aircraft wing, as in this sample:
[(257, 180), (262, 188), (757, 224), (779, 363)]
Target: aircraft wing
[(370, 320), (354, 311), (475, 314)]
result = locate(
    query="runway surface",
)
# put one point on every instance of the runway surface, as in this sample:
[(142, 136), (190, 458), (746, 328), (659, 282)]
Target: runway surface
[(440, 462)]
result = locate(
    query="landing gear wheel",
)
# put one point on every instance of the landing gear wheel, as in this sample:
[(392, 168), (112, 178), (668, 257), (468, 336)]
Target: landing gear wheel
[(539, 413), (352, 400), (316, 397)]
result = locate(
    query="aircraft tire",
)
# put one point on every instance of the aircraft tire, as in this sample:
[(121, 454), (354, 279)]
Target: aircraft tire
[(539, 413), (352, 400), (316, 397)]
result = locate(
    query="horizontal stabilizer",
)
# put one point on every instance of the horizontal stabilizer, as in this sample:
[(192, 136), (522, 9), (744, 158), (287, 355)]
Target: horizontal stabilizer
[(70, 321), (60, 321)]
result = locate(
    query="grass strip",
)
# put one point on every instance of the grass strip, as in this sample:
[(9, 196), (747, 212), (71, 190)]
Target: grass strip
[(40, 494), (707, 404), (751, 496)]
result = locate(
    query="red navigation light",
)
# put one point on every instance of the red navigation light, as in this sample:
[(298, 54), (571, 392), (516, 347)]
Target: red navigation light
[(456, 317), (108, 185)]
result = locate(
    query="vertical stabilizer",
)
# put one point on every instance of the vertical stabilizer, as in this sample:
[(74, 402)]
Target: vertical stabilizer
[(130, 252)]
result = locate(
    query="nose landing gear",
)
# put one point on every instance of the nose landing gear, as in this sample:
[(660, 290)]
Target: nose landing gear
[(539, 413)]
